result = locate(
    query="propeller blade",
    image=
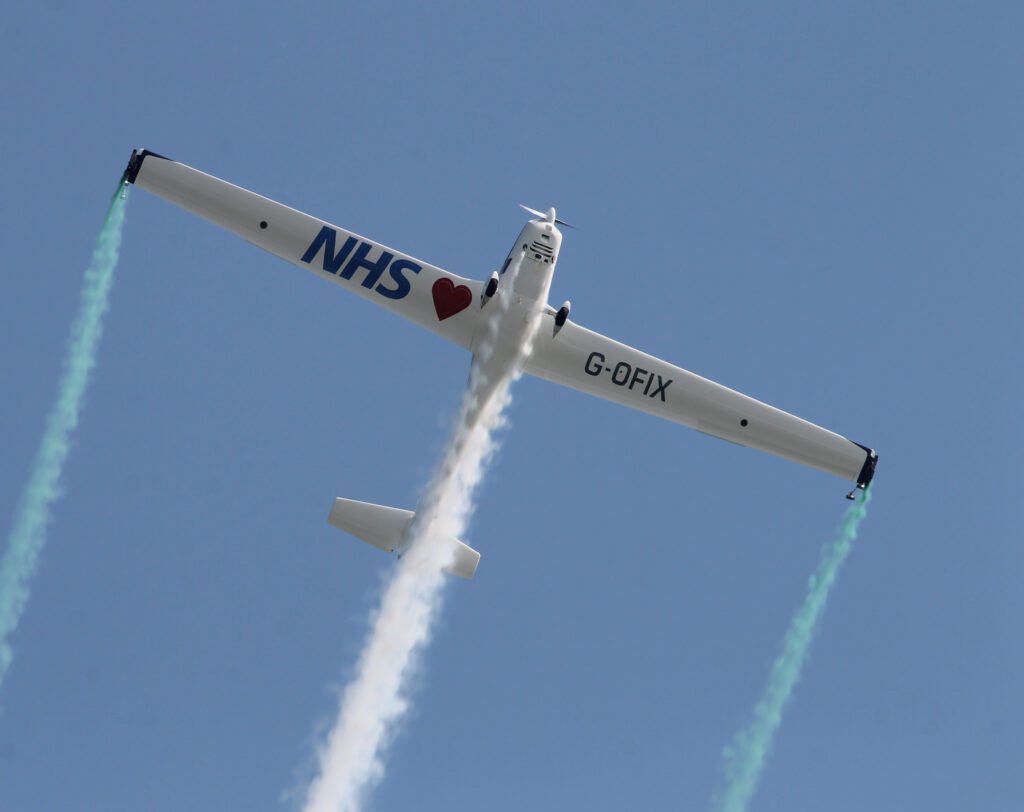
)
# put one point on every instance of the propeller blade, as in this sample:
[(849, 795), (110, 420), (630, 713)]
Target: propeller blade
[(546, 216)]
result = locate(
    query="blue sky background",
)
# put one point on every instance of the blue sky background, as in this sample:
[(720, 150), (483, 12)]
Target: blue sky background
[(820, 207)]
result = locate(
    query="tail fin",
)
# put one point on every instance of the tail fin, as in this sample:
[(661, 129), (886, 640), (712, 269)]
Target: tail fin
[(385, 528)]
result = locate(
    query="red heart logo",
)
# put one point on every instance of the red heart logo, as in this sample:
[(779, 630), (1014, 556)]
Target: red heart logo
[(449, 299)]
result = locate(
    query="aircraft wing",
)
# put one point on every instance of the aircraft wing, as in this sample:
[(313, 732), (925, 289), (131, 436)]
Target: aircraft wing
[(592, 363), (422, 293)]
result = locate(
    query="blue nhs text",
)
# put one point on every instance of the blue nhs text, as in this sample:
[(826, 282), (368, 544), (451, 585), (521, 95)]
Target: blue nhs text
[(353, 255)]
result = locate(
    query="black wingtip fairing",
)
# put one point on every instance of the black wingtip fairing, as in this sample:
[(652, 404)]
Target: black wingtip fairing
[(867, 471), (131, 172)]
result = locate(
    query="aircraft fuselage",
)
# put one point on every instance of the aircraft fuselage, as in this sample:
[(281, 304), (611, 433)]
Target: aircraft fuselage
[(499, 342)]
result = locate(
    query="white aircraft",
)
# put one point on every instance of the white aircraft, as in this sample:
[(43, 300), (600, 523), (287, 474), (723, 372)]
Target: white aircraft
[(456, 309)]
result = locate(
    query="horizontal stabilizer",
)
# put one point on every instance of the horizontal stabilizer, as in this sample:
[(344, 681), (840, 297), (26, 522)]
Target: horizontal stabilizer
[(385, 528)]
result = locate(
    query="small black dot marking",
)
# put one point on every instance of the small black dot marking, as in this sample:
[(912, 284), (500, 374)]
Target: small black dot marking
[(263, 223), (743, 422)]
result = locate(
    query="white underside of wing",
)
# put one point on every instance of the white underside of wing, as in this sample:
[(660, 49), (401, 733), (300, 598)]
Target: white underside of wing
[(422, 293), (590, 362), (445, 304)]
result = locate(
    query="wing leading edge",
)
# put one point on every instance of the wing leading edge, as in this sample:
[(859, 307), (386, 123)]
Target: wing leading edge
[(590, 362)]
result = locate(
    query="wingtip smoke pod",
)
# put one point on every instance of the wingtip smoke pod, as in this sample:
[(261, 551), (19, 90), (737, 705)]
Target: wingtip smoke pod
[(867, 472), (131, 171)]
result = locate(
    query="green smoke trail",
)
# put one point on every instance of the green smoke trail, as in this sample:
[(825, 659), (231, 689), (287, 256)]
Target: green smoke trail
[(745, 757), (33, 513)]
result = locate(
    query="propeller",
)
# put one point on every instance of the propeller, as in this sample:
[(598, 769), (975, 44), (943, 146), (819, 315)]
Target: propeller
[(549, 215)]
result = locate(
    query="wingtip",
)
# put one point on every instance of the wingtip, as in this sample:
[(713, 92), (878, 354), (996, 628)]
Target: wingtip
[(867, 471), (131, 172)]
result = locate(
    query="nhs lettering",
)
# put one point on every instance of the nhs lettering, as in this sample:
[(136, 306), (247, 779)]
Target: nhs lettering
[(354, 255)]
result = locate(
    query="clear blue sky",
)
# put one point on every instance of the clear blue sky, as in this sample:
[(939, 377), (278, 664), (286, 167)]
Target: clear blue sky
[(819, 207)]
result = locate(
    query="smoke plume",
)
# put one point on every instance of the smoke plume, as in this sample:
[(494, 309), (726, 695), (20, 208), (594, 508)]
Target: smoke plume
[(28, 534), (372, 705), (745, 758)]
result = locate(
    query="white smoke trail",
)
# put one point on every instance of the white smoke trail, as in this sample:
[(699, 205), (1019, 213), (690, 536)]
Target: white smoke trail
[(745, 758), (28, 534), (375, 701)]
